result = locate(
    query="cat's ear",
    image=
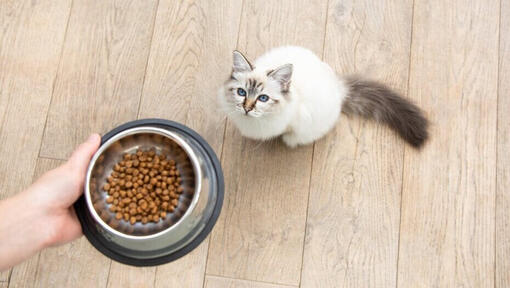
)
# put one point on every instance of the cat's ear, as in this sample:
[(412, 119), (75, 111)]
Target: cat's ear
[(282, 74), (241, 64)]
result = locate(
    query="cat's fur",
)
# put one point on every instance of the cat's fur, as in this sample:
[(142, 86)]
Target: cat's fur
[(306, 97)]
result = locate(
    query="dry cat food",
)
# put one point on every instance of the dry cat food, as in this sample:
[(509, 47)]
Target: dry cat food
[(143, 187)]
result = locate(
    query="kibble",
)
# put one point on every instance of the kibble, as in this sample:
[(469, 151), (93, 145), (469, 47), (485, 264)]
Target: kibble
[(143, 187)]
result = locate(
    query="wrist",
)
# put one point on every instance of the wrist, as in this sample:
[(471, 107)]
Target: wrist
[(31, 219)]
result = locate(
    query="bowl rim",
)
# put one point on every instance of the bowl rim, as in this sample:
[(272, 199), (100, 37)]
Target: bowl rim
[(132, 131)]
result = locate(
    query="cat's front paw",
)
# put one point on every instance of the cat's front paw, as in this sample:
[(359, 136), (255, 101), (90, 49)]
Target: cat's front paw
[(290, 140)]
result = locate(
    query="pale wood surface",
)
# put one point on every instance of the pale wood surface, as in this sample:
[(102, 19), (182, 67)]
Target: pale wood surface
[(183, 89), (31, 38), (100, 78), (260, 233), (354, 207), (130, 277), (358, 209), (219, 282), (503, 157), (448, 198)]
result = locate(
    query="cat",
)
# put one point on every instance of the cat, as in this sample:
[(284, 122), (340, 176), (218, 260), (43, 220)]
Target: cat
[(290, 92)]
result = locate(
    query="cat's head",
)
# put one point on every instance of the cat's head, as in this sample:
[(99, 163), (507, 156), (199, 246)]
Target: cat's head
[(256, 93)]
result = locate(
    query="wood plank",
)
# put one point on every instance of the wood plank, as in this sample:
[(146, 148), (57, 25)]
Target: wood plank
[(259, 235), (24, 274), (354, 207), (31, 38), (192, 42), (4, 284), (503, 158), (448, 202), (128, 276), (98, 86), (220, 282), (100, 80)]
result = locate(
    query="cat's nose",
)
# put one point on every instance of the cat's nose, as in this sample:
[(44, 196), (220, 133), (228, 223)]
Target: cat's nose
[(247, 109)]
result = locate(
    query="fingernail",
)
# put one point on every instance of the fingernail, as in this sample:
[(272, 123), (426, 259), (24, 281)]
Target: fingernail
[(92, 137)]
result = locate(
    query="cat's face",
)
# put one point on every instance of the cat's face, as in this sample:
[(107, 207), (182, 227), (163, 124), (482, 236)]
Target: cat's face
[(256, 93)]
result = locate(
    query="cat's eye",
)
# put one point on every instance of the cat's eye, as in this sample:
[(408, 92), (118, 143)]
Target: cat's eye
[(241, 92), (263, 98)]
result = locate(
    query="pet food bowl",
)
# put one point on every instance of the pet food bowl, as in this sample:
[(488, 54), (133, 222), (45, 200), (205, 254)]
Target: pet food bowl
[(182, 230)]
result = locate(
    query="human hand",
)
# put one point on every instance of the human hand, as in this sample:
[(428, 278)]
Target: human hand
[(43, 214)]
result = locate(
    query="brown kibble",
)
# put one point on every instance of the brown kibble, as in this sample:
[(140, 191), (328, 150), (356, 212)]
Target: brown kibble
[(143, 187)]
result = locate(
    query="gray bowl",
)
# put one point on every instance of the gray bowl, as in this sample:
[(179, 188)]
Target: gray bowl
[(181, 231)]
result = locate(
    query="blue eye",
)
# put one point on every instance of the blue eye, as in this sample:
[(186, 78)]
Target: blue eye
[(241, 92), (263, 98)]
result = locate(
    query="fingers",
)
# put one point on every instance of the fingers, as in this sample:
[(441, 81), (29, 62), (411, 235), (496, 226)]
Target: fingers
[(80, 158)]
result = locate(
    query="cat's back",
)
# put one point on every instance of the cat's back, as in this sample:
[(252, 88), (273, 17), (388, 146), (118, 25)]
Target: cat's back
[(298, 56)]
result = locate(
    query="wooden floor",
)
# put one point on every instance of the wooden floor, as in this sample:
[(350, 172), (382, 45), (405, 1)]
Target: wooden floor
[(359, 208)]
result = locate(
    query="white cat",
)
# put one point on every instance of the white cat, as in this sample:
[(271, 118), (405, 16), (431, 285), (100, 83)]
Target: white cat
[(290, 92)]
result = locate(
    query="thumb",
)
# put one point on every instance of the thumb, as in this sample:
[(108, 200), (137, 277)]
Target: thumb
[(80, 158)]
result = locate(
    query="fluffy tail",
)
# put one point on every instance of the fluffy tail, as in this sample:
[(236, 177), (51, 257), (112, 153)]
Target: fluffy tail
[(372, 100)]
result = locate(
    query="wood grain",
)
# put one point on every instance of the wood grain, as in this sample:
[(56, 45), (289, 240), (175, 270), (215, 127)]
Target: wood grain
[(128, 276), (100, 80), (219, 282), (190, 49), (24, 274), (259, 235), (31, 38), (354, 207), (448, 214), (503, 158)]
